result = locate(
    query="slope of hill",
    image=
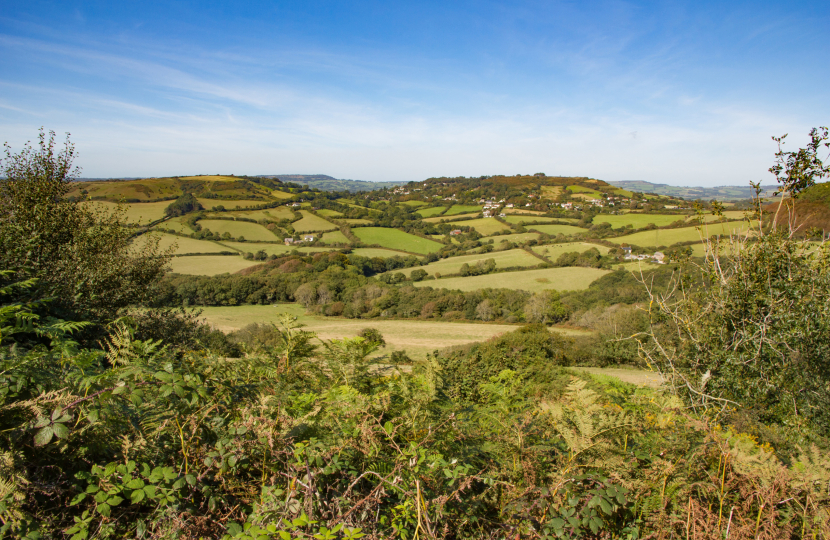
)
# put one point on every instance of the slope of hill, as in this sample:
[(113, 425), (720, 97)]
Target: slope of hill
[(719, 193), (324, 182), (159, 189)]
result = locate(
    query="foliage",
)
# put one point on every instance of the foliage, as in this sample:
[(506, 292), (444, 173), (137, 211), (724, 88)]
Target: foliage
[(185, 204)]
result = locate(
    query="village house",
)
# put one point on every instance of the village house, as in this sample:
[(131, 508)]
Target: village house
[(289, 241)]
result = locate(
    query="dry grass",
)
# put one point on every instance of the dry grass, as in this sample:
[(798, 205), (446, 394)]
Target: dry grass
[(312, 223), (251, 231), (557, 229), (209, 265), (668, 237), (553, 251), (379, 252), (561, 279)]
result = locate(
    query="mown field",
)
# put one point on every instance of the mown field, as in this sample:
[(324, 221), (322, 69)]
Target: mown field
[(561, 279), (209, 265), (379, 252), (445, 217), (136, 212), (551, 192), (251, 231), (429, 212), (175, 224), (414, 203), (333, 237), (395, 239), (184, 244), (667, 237), (271, 214), (329, 213), (638, 221), (312, 223), (557, 229), (357, 221), (528, 219), (504, 259), (462, 209), (553, 251), (416, 337), (229, 204), (485, 226), (271, 249), (517, 237)]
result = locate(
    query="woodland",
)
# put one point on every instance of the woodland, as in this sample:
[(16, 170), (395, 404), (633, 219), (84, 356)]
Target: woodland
[(122, 414)]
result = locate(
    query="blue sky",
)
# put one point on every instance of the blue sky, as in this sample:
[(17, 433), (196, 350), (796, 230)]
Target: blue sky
[(685, 93)]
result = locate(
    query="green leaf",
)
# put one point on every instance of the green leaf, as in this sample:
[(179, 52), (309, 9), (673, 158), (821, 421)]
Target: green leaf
[(137, 496), (606, 506), (115, 501), (104, 509), (136, 484), (78, 498), (190, 479), (285, 535), (150, 491), (60, 430), (43, 436)]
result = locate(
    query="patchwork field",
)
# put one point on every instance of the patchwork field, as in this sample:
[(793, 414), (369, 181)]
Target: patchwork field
[(445, 217), (668, 237), (729, 214), (429, 212), (334, 237), (551, 192), (227, 203), (553, 251), (357, 221), (271, 249), (251, 231), (329, 213), (395, 239), (518, 237), (557, 229), (462, 209), (485, 226), (312, 223), (561, 279), (638, 221), (579, 192), (175, 224), (416, 337), (184, 244), (528, 219), (209, 265), (136, 212), (523, 211), (504, 259), (271, 214), (379, 252), (414, 203)]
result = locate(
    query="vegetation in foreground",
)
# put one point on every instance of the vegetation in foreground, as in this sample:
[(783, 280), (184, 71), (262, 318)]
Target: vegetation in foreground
[(114, 427)]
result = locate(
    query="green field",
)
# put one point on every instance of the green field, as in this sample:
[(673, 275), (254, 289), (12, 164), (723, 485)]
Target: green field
[(416, 337), (271, 249), (485, 226), (429, 212), (329, 213), (518, 237), (553, 251), (462, 209), (271, 214), (186, 245), (729, 214), (357, 221), (379, 252), (414, 203), (312, 223), (561, 279), (528, 219), (504, 259), (557, 229), (251, 231), (395, 239), (523, 211), (209, 265), (584, 193), (438, 219), (638, 221), (334, 237), (175, 224), (228, 204), (667, 237)]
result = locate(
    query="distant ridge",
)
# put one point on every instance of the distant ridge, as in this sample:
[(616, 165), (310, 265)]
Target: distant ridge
[(324, 182), (718, 193)]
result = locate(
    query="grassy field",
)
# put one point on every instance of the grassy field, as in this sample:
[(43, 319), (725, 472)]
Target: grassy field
[(209, 265), (518, 237), (553, 251), (528, 219), (561, 279), (136, 212), (329, 213), (335, 237), (485, 226), (445, 217), (729, 214), (580, 192), (251, 231), (228, 204), (429, 212), (667, 237), (416, 337), (557, 229), (395, 239), (639, 377), (414, 203), (504, 259), (185, 245), (176, 224), (379, 252), (356, 221), (462, 209), (638, 221), (271, 214), (312, 223), (271, 249), (551, 192)]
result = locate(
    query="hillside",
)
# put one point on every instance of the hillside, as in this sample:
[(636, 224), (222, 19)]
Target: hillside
[(718, 193), (168, 188), (324, 182), (811, 210)]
